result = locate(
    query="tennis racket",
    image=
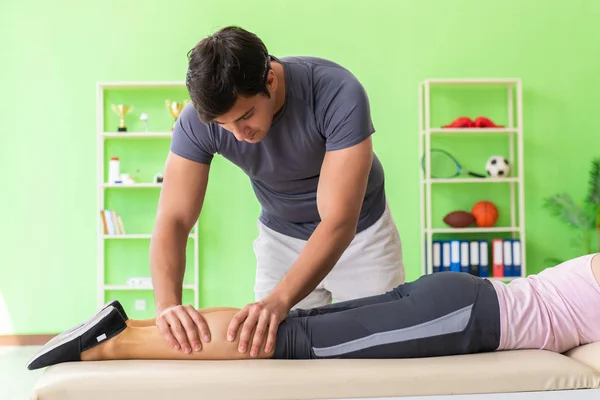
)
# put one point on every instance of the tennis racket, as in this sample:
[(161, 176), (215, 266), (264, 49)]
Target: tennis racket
[(445, 165)]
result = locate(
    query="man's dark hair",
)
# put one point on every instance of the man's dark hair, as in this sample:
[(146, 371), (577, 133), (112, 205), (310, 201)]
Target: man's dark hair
[(231, 62)]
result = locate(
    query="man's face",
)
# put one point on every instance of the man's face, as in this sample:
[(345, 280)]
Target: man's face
[(250, 117)]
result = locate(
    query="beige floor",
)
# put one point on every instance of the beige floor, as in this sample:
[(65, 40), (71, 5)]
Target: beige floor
[(16, 380)]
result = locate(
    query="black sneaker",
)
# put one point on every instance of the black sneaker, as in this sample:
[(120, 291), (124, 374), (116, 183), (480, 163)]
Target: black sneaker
[(115, 303), (69, 345)]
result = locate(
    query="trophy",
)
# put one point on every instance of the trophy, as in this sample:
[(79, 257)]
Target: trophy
[(144, 119), (122, 111), (175, 109)]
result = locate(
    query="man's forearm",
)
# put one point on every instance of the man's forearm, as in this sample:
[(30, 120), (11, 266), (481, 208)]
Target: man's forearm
[(320, 254), (167, 263)]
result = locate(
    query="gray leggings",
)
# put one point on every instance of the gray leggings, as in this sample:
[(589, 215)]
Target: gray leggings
[(445, 313)]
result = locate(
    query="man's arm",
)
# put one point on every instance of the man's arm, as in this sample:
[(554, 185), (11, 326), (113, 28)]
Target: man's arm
[(180, 202), (340, 194)]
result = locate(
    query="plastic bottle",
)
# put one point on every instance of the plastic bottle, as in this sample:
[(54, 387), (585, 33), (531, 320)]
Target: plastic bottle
[(114, 173)]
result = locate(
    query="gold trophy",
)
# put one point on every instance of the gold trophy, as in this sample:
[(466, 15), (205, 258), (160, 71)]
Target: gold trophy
[(122, 111), (175, 109)]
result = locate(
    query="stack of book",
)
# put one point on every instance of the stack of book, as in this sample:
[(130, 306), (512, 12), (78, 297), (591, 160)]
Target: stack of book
[(475, 257), (112, 222)]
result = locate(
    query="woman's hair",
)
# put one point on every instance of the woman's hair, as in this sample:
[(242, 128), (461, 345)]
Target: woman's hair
[(230, 63)]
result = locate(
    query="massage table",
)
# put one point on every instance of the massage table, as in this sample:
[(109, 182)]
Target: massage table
[(527, 374)]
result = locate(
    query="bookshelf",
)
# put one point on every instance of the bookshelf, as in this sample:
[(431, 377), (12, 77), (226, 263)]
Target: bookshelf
[(142, 150), (507, 109)]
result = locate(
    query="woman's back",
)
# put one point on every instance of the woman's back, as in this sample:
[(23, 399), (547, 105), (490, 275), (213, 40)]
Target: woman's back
[(556, 310)]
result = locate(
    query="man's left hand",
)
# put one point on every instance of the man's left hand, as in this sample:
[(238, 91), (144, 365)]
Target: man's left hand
[(265, 316)]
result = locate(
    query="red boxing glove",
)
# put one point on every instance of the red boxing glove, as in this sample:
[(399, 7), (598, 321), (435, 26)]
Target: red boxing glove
[(461, 122), (483, 122)]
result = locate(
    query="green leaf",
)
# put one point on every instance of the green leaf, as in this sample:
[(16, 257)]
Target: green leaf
[(593, 196), (562, 206)]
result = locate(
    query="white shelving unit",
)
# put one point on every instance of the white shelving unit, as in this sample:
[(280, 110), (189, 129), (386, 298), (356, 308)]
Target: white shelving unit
[(514, 133), (103, 186)]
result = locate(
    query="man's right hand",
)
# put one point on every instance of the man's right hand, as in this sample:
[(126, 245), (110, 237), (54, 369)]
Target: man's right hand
[(182, 327)]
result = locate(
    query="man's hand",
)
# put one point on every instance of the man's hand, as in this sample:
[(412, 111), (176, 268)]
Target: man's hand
[(180, 325), (264, 316)]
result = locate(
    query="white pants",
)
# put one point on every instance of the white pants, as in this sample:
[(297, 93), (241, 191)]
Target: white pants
[(372, 264)]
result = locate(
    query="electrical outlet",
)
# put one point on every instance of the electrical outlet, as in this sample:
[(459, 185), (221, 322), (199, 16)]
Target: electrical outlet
[(140, 305)]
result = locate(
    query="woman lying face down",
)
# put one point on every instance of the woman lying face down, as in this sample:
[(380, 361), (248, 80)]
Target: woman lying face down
[(442, 314)]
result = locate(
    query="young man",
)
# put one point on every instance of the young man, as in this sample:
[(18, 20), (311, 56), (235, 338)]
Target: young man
[(300, 128)]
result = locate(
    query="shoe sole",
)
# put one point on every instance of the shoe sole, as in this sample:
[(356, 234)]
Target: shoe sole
[(67, 336)]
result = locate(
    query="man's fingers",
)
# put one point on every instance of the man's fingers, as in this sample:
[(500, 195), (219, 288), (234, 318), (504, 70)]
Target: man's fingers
[(259, 333), (235, 323), (272, 335), (178, 330), (193, 318), (165, 331), (247, 329), (189, 330), (200, 324)]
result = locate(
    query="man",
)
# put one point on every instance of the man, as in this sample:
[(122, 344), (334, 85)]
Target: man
[(300, 128)]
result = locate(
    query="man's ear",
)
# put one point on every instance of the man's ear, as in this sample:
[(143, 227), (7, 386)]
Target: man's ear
[(271, 81)]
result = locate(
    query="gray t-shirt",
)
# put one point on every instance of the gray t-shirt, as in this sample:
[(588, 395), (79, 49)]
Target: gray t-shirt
[(326, 108)]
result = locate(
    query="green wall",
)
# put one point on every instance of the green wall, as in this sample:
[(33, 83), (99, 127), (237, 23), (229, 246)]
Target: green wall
[(53, 53)]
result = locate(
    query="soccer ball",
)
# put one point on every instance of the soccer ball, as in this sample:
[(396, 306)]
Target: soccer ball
[(497, 167)]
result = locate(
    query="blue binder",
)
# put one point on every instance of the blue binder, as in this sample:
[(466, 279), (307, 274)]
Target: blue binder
[(484, 259), (465, 264), (474, 257), (445, 256), (507, 257), (517, 257), (436, 256)]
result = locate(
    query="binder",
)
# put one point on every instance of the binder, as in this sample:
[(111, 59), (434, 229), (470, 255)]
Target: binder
[(465, 264), (445, 256), (474, 257), (455, 255), (517, 257), (436, 255), (484, 259), (507, 257), (497, 258)]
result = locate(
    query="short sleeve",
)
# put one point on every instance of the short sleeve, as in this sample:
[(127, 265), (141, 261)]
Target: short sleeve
[(342, 108), (192, 139)]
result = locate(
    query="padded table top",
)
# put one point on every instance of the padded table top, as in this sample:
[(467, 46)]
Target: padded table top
[(509, 371)]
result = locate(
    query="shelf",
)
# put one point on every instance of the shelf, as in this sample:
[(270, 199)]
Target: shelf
[(473, 130), (472, 180), (510, 92), (136, 135), (131, 185), (474, 230), (125, 287), (473, 81), (141, 236), (144, 141)]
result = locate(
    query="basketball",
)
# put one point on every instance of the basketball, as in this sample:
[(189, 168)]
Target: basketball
[(485, 213)]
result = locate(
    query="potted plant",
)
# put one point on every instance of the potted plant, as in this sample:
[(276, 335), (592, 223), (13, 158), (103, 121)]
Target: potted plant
[(585, 217)]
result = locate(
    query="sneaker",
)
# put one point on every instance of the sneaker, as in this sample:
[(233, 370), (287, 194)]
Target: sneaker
[(114, 303), (69, 345)]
